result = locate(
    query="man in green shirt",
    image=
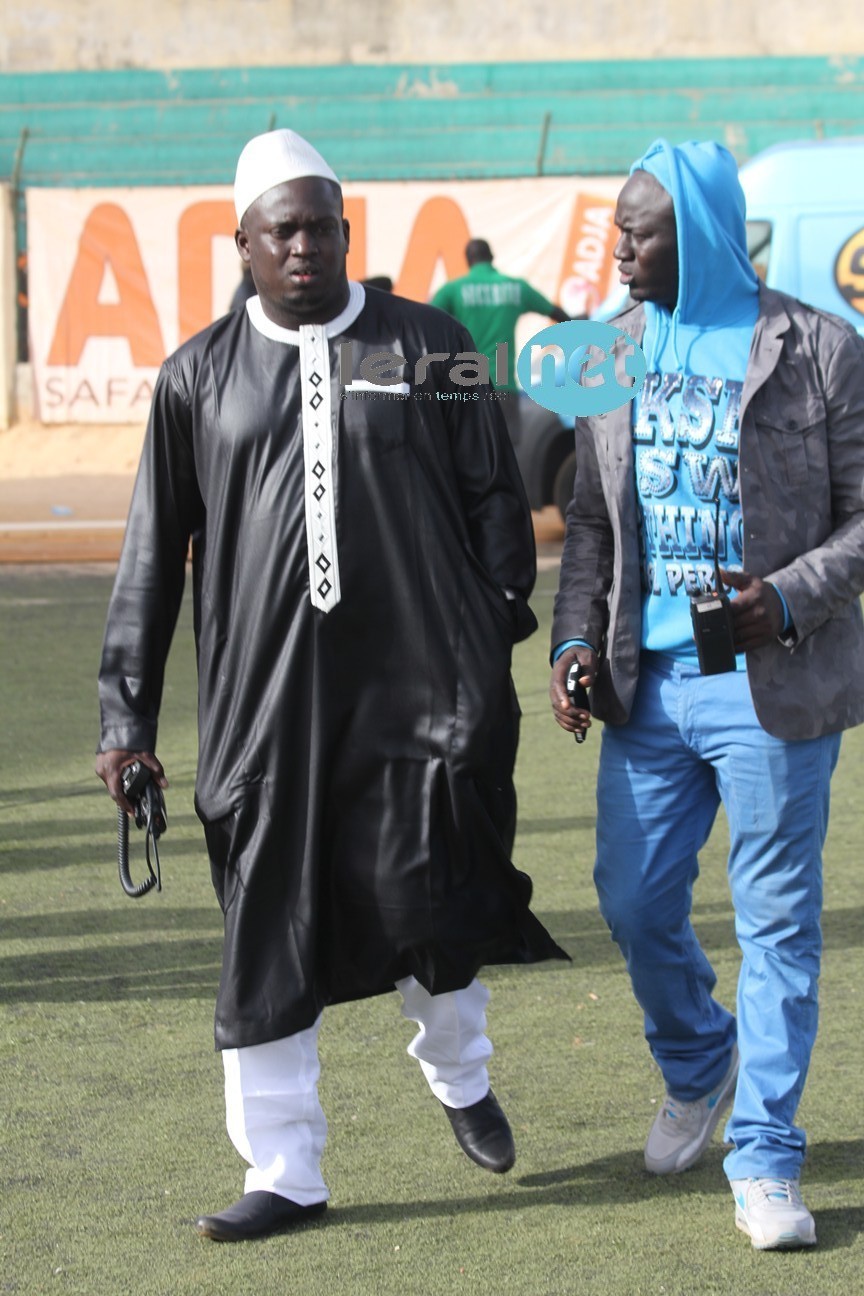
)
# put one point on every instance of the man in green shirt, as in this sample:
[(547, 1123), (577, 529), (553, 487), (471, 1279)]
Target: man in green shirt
[(489, 304)]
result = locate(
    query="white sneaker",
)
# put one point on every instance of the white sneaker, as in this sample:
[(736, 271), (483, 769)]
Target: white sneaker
[(772, 1213), (682, 1130)]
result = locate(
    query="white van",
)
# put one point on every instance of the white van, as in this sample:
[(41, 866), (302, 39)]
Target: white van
[(805, 222)]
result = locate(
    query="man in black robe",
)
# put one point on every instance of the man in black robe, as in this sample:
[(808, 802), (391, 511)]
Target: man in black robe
[(362, 554)]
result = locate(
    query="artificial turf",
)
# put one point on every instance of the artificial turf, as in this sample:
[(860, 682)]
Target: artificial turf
[(112, 1133)]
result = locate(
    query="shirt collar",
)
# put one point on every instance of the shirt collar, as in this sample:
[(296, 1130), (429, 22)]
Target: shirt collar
[(259, 321)]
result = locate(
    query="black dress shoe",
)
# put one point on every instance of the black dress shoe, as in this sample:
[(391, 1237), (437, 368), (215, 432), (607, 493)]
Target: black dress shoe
[(483, 1133), (256, 1215)]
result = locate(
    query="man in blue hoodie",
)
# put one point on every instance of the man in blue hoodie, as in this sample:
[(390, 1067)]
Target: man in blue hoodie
[(746, 442)]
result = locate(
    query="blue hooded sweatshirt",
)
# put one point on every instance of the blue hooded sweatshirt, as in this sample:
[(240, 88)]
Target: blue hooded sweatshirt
[(685, 419)]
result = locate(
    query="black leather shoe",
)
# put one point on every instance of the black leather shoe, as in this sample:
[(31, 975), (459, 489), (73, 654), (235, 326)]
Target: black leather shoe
[(256, 1215), (483, 1133)]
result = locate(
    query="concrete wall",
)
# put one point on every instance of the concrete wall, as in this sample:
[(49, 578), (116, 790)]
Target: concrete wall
[(70, 35)]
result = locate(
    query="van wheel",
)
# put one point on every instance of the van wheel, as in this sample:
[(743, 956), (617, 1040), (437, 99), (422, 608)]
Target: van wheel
[(562, 488)]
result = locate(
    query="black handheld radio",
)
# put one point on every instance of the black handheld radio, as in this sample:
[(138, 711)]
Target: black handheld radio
[(711, 615), (577, 693), (144, 792)]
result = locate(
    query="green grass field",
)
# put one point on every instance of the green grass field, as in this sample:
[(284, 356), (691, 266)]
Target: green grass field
[(112, 1123)]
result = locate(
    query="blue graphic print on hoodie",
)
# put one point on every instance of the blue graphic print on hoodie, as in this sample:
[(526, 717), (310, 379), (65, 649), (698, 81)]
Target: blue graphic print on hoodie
[(685, 419)]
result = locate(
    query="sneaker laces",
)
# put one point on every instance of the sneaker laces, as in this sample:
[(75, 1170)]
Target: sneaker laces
[(682, 1113), (774, 1190)]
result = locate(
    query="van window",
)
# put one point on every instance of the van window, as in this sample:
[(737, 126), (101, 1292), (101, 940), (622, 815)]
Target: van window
[(759, 246)]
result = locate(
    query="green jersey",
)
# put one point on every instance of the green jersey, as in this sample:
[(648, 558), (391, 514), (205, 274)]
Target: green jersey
[(489, 305)]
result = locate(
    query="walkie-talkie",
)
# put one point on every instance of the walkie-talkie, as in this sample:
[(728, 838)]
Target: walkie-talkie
[(147, 800), (578, 694), (712, 619)]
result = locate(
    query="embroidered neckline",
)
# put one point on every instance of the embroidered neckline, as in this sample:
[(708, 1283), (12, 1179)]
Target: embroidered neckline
[(259, 321)]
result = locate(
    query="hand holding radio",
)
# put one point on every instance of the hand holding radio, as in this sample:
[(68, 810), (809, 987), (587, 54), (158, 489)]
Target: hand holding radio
[(145, 795), (578, 695), (135, 781), (757, 610), (110, 766), (568, 695)]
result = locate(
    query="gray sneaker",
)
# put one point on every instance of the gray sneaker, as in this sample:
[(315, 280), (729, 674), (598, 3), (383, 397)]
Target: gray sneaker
[(682, 1130), (772, 1214)]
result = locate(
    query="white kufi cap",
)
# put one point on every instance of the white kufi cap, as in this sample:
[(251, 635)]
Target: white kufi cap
[(271, 159)]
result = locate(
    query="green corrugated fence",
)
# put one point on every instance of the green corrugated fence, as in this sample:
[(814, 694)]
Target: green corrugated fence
[(414, 122)]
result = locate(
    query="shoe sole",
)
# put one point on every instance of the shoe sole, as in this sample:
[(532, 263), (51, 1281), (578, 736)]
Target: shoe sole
[(785, 1242)]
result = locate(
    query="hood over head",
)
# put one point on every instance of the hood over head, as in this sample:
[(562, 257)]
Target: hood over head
[(716, 282)]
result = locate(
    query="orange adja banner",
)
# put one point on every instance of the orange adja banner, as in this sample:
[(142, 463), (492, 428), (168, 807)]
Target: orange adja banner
[(118, 278)]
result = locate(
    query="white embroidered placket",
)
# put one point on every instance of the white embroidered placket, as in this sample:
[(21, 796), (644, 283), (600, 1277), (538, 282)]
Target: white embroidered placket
[(319, 458)]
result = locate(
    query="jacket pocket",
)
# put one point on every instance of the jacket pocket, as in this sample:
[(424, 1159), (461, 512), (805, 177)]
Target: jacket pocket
[(374, 418), (234, 842), (793, 441)]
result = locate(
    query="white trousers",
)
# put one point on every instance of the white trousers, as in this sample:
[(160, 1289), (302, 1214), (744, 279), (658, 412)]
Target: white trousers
[(275, 1120)]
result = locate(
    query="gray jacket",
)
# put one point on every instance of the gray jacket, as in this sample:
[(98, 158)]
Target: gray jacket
[(801, 481)]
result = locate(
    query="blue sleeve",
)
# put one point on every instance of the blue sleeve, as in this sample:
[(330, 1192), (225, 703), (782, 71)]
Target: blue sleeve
[(787, 616), (576, 643)]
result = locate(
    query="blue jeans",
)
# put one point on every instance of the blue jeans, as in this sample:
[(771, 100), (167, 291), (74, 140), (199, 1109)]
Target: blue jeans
[(691, 742)]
